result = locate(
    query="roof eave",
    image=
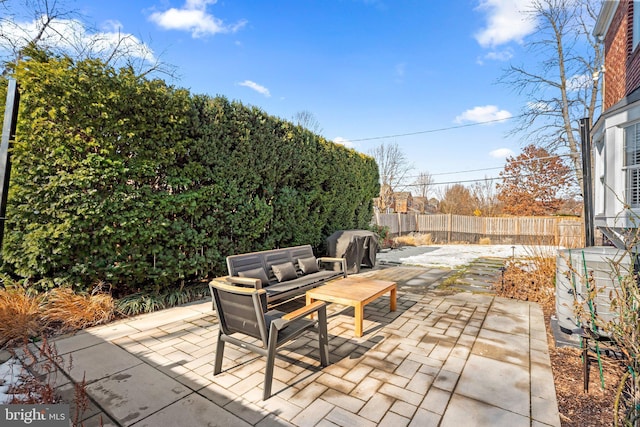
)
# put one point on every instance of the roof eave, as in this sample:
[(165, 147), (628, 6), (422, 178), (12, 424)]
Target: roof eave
[(604, 18)]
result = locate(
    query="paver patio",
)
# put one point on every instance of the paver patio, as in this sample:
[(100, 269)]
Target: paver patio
[(438, 360)]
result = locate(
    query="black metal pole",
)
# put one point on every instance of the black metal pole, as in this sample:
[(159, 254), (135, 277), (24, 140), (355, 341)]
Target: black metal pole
[(587, 185), (8, 135)]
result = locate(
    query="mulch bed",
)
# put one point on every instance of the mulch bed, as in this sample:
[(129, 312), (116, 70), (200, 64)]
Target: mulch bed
[(577, 408)]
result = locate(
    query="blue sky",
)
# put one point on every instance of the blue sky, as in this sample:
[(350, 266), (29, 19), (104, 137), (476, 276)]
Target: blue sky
[(369, 70)]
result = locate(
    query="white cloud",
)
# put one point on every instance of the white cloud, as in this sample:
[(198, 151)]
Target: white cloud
[(506, 22), (500, 55), (579, 81), (483, 114), (343, 141), (501, 153), (71, 37), (255, 86), (193, 17)]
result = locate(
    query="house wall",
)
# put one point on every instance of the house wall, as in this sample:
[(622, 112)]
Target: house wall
[(622, 65), (621, 109)]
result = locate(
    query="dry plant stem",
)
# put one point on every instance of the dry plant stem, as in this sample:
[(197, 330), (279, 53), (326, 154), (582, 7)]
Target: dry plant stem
[(40, 370), (38, 376)]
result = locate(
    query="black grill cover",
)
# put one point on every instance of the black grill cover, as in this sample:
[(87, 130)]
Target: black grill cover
[(359, 247)]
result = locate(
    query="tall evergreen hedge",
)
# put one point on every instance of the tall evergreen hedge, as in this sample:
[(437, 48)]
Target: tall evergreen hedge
[(130, 181)]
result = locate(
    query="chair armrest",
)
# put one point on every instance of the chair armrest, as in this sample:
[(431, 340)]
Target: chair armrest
[(285, 320), (233, 288), (305, 311), (342, 261), (244, 281)]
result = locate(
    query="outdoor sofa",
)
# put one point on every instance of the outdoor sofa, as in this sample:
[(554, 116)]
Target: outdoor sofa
[(283, 273)]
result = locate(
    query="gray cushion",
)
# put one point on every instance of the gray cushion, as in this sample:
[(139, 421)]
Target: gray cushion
[(256, 273), (308, 265), (284, 271)]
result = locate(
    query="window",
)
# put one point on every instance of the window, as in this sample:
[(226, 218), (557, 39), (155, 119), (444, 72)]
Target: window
[(632, 164)]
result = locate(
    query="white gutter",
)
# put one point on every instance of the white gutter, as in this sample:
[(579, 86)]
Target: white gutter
[(604, 18)]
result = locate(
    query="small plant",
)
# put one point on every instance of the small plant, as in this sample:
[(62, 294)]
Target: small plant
[(531, 278), (147, 302), (485, 241), (36, 382), (20, 317), (38, 377), (625, 331), (383, 235), (69, 311), (413, 239)]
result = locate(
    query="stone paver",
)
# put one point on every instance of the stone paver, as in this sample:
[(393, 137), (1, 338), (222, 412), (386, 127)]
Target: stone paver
[(438, 360)]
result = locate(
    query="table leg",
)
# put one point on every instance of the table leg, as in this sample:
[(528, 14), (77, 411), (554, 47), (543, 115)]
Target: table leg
[(392, 298), (358, 315)]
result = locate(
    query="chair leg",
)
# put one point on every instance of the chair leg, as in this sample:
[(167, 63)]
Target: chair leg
[(323, 340), (217, 368), (271, 357)]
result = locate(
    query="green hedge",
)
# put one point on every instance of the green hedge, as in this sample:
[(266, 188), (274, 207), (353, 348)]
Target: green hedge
[(130, 181)]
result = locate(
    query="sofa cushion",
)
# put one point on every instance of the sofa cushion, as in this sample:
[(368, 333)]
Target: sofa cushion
[(256, 273), (308, 265), (285, 271), (306, 281)]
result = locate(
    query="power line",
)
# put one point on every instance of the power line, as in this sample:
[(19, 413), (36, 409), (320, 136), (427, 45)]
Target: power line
[(533, 159), (435, 130), (485, 179)]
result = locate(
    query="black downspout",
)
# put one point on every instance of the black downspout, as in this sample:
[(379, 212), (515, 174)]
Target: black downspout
[(8, 135), (587, 185)]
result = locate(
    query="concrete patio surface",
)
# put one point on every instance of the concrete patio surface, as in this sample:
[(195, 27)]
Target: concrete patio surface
[(462, 359)]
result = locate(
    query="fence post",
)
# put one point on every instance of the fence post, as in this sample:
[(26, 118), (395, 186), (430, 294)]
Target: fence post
[(449, 226)]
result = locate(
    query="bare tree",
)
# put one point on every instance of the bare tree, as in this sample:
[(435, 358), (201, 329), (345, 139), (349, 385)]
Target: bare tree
[(485, 194), (393, 168), (423, 184), (393, 165), (564, 84), (307, 120), (54, 26)]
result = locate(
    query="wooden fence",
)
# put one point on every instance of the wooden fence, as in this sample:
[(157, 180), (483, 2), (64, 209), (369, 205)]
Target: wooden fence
[(558, 231)]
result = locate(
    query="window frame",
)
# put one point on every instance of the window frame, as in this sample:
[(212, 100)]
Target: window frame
[(631, 166)]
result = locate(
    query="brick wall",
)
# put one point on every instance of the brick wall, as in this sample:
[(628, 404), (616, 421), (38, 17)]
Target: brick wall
[(623, 66)]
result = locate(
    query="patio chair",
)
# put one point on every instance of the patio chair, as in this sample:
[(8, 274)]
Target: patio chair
[(243, 311)]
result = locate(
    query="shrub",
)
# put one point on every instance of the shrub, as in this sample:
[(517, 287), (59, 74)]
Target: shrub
[(65, 310), (20, 317), (146, 302), (131, 181), (413, 239), (531, 278)]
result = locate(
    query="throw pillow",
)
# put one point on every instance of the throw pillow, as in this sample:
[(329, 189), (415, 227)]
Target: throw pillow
[(256, 273), (284, 271), (308, 265)]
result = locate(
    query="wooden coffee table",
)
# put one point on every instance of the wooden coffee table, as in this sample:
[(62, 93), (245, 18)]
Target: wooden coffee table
[(355, 292)]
